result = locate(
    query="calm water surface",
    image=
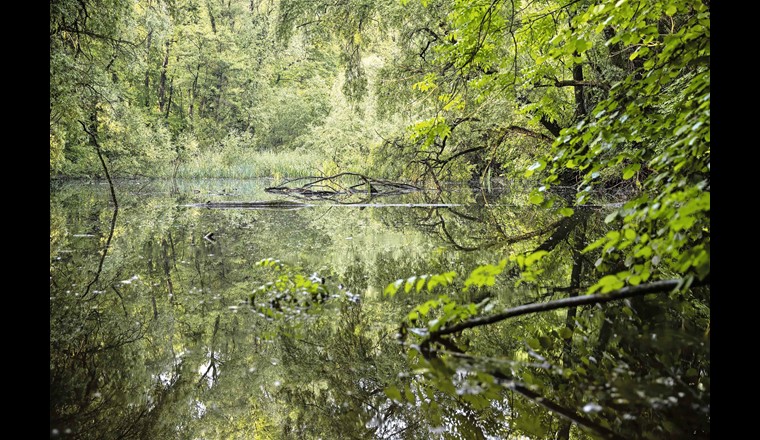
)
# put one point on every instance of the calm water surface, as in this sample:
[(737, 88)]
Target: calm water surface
[(156, 338)]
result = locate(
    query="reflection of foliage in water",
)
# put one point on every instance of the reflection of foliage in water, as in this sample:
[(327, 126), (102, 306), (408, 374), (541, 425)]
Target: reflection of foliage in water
[(164, 342)]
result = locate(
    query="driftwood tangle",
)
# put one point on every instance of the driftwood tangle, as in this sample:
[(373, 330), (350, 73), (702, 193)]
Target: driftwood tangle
[(341, 187)]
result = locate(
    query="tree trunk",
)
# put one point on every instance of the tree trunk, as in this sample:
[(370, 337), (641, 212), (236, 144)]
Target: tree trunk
[(147, 71), (167, 269), (193, 93), (580, 101), (575, 282), (169, 103), (162, 80), (211, 17)]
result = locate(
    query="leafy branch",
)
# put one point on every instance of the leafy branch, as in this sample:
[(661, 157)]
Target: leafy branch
[(662, 286)]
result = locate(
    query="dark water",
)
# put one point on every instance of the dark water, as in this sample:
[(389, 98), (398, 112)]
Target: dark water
[(157, 339)]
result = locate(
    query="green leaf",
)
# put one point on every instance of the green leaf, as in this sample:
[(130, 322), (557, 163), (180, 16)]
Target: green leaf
[(640, 52), (534, 343), (670, 10), (392, 288), (485, 275), (582, 45), (567, 212), (594, 245), (409, 284), (409, 395), (535, 256), (420, 284), (536, 198), (393, 393), (631, 170), (607, 284), (537, 166), (566, 333)]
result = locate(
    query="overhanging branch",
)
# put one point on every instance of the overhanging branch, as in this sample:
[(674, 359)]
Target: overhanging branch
[(597, 298), (575, 83)]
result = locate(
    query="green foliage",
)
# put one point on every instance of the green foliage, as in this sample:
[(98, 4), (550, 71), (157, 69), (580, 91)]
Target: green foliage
[(655, 122), (608, 101), (484, 276), (290, 293), (418, 283)]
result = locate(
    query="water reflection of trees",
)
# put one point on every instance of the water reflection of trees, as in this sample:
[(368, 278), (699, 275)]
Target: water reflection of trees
[(128, 360)]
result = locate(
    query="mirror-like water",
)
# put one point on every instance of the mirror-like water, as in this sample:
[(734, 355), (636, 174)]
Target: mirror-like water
[(157, 338)]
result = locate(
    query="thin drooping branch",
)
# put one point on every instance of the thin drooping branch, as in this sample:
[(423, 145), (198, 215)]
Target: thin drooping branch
[(597, 298), (462, 153), (511, 384), (115, 209), (563, 229), (531, 133), (102, 162), (532, 234), (97, 36), (105, 252), (122, 300), (212, 362), (558, 409)]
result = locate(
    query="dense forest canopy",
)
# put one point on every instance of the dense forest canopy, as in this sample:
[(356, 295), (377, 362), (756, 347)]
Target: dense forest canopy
[(595, 106)]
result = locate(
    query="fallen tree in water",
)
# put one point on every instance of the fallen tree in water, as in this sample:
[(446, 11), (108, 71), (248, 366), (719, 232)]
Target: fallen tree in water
[(266, 204), (340, 187)]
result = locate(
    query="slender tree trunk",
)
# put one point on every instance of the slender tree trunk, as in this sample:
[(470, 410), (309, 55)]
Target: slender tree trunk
[(211, 17), (147, 71), (169, 103), (167, 269), (194, 92), (580, 101), (220, 87), (575, 282), (162, 79)]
